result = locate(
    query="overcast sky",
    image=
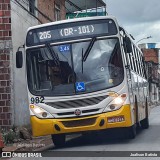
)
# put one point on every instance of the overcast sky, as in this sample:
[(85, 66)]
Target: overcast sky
[(141, 18)]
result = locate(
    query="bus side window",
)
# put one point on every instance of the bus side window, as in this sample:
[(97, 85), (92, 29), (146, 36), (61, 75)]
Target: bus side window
[(134, 58), (139, 65), (131, 61), (116, 57), (137, 61), (123, 51)]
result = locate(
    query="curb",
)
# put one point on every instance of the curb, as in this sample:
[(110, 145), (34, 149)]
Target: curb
[(50, 146)]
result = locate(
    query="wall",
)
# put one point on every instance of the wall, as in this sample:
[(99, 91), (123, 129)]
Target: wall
[(47, 6), (21, 21), (151, 55), (5, 50)]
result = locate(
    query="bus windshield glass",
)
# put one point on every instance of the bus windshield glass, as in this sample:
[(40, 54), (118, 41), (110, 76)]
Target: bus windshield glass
[(60, 69)]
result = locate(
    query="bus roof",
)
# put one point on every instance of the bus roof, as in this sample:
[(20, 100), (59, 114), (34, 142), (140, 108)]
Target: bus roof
[(71, 20)]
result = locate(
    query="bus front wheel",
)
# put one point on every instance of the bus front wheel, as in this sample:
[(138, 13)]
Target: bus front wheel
[(58, 139)]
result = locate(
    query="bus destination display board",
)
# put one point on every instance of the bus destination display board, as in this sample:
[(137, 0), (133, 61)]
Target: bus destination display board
[(70, 31)]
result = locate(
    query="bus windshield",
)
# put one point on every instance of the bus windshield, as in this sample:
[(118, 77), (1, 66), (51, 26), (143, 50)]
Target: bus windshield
[(60, 69)]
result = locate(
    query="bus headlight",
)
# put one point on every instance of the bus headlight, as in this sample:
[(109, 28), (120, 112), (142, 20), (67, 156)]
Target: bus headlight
[(116, 103), (40, 112)]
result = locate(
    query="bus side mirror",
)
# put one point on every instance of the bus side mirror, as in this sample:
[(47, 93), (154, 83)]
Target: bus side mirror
[(19, 59), (128, 45)]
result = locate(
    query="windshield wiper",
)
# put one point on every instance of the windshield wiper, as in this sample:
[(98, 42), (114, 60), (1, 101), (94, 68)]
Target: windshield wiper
[(89, 49), (53, 54)]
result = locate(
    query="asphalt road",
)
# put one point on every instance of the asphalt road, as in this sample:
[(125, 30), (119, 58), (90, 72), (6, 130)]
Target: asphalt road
[(146, 140)]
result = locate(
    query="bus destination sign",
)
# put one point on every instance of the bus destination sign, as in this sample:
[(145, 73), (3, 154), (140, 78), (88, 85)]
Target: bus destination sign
[(77, 30), (70, 31)]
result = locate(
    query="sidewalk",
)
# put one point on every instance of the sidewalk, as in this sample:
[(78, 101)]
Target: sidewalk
[(36, 144)]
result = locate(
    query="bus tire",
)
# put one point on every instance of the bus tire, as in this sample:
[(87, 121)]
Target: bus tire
[(58, 139), (131, 132), (145, 122)]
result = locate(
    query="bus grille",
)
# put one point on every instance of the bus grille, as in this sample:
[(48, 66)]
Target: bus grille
[(72, 113), (77, 103), (78, 123)]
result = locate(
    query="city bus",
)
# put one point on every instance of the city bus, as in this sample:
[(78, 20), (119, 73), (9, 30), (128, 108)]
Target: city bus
[(84, 75)]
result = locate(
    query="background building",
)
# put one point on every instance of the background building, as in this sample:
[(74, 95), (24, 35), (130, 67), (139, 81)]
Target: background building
[(152, 57)]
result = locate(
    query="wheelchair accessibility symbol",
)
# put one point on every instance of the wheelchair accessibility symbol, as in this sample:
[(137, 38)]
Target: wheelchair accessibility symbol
[(80, 86)]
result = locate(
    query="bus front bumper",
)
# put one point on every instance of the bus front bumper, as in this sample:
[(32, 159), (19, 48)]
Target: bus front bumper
[(115, 119)]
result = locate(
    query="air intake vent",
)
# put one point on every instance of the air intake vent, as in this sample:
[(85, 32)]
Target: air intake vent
[(77, 123), (77, 103)]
